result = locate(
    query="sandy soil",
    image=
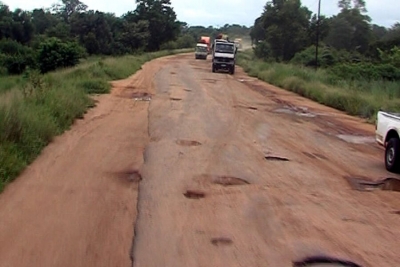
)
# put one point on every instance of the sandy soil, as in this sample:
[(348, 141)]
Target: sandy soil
[(215, 170)]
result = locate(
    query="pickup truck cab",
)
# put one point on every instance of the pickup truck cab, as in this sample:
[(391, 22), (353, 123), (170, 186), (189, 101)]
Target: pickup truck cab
[(387, 135)]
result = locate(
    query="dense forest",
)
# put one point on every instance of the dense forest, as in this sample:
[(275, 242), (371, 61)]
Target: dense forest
[(286, 31), (47, 39)]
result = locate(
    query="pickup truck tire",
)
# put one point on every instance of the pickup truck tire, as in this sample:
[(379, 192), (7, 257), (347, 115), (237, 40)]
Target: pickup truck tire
[(392, 155), (213, 68), (232, 70)]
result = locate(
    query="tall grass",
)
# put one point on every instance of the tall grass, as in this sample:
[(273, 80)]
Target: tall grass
[(35, 108), (355, 97)]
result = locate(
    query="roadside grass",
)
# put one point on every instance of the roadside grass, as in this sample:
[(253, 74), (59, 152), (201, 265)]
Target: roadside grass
[(355, 97), (34, 108)]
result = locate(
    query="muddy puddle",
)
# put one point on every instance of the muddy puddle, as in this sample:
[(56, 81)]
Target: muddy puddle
[(298, 111), (362, 184), (355, 139), (141, 96)]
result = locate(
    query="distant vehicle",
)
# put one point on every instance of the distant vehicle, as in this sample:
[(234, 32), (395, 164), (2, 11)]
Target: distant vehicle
[(206, 40), (387, 135), (224, 56), (201, 51), (238, 43)]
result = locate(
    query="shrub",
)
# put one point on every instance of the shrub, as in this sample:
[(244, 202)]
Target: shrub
[(366, 71), (306, 57), (327, 56), (95, 86), (15, 57), (35, 107), (185, 41), (54, 54), (346, 87), (262, 50), (171, 45)]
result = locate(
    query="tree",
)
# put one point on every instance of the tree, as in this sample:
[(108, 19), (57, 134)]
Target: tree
[(257, 32), (355, 4), (350, 29), (93, 31), (134, 35), (323, 29), (68, 7), (340, 34), (42, 20), (286, 24), (22, 28), (378, 32), (163, 26)]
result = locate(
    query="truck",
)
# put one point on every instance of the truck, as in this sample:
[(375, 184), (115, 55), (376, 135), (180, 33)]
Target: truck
[(387, 132), (201, 51), (223, 56), (206, 40), (238, 43)]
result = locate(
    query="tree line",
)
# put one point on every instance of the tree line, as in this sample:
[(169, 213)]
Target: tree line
[(59, 36), (286, 32)]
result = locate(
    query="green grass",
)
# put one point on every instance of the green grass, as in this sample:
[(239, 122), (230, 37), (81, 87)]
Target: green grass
[(34, 108), (358, 98)]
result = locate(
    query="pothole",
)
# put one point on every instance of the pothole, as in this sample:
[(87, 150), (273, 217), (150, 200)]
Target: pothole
[(187, 90), (175, 99), (324, 261), (309, 155), (210, 80), (141, 96), (354, 139), (229, 181), (315, 155), (298, 111), (194, 194), (188, 143), (221, 241), (244, 80), (361, 184), (275, 158), (320, 156), (246, 107), (130, 176)]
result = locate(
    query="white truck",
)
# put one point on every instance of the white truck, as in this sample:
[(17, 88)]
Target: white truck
[(201, 51), (388, 135), (223, 56)]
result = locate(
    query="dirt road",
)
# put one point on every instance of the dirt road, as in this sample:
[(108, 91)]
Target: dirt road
[(233, 172)]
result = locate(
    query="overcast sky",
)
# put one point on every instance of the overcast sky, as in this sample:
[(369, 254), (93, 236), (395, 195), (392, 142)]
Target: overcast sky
[(220, 12)]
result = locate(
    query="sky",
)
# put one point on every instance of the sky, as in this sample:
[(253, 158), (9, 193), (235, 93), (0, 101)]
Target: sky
[(221, 12)]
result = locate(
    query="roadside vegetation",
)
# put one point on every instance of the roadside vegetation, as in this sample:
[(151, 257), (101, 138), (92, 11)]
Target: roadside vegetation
[(360, 97), (34, 108), (52, 59), (358, 62)]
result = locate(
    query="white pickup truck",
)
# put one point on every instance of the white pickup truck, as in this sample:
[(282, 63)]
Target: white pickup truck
[(387, 135)]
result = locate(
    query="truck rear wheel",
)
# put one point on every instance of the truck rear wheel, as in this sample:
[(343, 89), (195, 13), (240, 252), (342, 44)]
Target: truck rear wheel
[(213, 68), (392, 157)]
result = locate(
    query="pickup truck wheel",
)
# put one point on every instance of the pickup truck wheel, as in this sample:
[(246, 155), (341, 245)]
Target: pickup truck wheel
[(232, 70), (213, 68), (392, 157)]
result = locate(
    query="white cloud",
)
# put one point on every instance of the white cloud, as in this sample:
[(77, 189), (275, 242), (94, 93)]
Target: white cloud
[(220, 12)]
